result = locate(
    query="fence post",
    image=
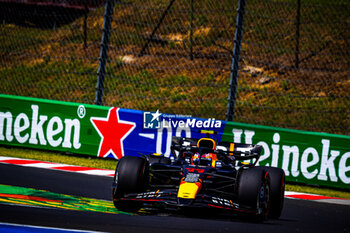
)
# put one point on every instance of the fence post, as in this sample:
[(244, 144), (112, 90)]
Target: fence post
[(297, 35), (104, 51), (235, 60)]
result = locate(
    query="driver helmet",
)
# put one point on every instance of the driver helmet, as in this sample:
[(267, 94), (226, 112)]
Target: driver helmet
[(187, 155), (196, 158), (206, 159)]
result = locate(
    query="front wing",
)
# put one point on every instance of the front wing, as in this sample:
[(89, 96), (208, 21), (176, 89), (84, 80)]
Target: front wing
[(169, 198)]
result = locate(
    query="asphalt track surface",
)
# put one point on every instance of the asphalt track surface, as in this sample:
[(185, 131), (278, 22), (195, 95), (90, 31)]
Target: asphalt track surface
[(298, 215)]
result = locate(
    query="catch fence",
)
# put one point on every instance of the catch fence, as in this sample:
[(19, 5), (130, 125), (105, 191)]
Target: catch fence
[(176, 56)]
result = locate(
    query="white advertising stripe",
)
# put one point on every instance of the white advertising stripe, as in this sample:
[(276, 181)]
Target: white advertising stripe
[(99, 172), (8, 158), (55, 166), (290, 193), (336, 201), (42, 165)]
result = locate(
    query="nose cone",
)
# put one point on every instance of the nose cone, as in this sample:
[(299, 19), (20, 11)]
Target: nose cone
[(188, 192)]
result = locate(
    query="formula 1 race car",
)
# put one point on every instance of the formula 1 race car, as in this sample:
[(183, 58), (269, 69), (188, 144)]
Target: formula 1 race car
[(203, 173)]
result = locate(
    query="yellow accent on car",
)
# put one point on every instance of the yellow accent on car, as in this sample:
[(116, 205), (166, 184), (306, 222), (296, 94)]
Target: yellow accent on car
[(214, 158), (232, 147), (207, 131), (156, 154), (188, 190)]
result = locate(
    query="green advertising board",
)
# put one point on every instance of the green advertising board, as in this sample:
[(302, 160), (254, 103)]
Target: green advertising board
[(48, 124), (306, 157)]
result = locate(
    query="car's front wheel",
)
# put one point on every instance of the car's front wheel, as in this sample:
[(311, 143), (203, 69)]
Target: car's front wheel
[(130, 177)]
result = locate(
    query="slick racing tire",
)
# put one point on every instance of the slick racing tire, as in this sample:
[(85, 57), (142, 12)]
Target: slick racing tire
[(254, 192), (277, 184), (130, 177)]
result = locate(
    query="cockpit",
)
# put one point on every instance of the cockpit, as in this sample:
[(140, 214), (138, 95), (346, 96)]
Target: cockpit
[(203, 156)]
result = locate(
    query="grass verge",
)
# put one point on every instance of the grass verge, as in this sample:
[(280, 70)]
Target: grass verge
[(88, 161)]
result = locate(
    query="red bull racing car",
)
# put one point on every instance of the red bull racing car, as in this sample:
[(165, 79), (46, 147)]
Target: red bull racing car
[(203, 173)]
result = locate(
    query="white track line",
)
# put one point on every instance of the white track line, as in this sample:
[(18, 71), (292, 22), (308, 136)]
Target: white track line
[(56, 166)]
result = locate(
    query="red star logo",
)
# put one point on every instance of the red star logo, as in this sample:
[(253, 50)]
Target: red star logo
[(112, 131)]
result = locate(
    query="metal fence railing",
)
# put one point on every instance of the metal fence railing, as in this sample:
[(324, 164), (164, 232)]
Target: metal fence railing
[(175, 56), (172, 58), (296, 65)]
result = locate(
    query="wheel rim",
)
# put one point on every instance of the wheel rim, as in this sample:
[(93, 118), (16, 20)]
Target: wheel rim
[(263, 199), (115, 190)]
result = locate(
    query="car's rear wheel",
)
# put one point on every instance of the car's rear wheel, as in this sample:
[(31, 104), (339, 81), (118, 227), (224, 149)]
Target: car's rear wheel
[(277, 184), (130, 177), (254, 191)]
